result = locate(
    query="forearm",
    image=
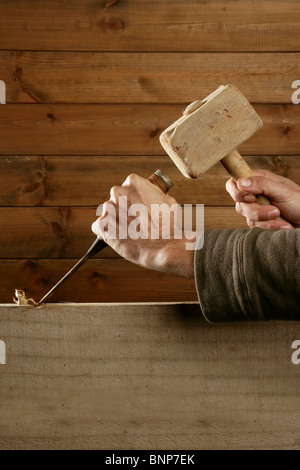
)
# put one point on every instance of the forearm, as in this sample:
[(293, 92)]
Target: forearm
[(249, 275)]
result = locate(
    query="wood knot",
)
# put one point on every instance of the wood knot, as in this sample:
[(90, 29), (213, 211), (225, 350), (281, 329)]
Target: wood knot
[(30, 264), (58, 229), (17, 73), (51, 117), (112, 25), (154, 132), (31, 187), (280, 165), (45, 281), (286, 130)]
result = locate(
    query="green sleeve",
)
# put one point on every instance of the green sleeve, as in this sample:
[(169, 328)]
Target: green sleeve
[(249, 274)]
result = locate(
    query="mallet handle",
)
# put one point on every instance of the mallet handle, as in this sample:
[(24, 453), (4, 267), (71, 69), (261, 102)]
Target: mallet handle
[(238, 168)]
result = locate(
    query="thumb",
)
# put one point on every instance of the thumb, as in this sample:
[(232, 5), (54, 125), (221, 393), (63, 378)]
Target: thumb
[(261, 185)]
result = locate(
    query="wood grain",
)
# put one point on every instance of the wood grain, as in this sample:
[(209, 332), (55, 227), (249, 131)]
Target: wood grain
[(65, 232), (144, 25), (145, 377), (95, 77), (125, 129), (98, 280), (86, 180)]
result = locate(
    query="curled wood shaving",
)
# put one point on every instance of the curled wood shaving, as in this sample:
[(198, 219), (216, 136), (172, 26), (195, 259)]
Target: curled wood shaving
[(20, 298)]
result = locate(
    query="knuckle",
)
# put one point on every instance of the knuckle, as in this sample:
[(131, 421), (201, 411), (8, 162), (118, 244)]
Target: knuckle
[(262, 173), (254, 215), (248, 210), (132, 178), (171, 200), (228, 185), (263, 225), (261, 182), (106, 208), (260, 179), (96, 227), (238, 207), (115, 191), (99, 210)]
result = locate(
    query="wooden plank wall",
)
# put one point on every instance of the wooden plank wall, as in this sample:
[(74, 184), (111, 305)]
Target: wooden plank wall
[(90, 86)]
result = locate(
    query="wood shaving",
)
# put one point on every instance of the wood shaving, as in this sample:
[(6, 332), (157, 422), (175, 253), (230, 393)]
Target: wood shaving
[(20, 298)]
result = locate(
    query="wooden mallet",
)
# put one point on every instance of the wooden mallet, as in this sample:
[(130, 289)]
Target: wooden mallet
[(210, 131)]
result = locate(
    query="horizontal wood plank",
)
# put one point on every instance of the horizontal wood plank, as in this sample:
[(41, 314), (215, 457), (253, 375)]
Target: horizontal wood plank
[(65, 232), (86, 180), (93, 77), (144, 25), (27, 129), (98, 280), (109, 376)]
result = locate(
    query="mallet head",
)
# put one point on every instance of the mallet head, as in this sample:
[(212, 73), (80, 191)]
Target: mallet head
[(209, 130)]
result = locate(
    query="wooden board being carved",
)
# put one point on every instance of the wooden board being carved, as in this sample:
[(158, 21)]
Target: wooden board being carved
[(145, 376)]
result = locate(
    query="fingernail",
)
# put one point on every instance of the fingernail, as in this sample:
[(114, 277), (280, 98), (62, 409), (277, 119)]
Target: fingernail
[(245, 182), (286, 227), (249, 198), (273, 213)]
